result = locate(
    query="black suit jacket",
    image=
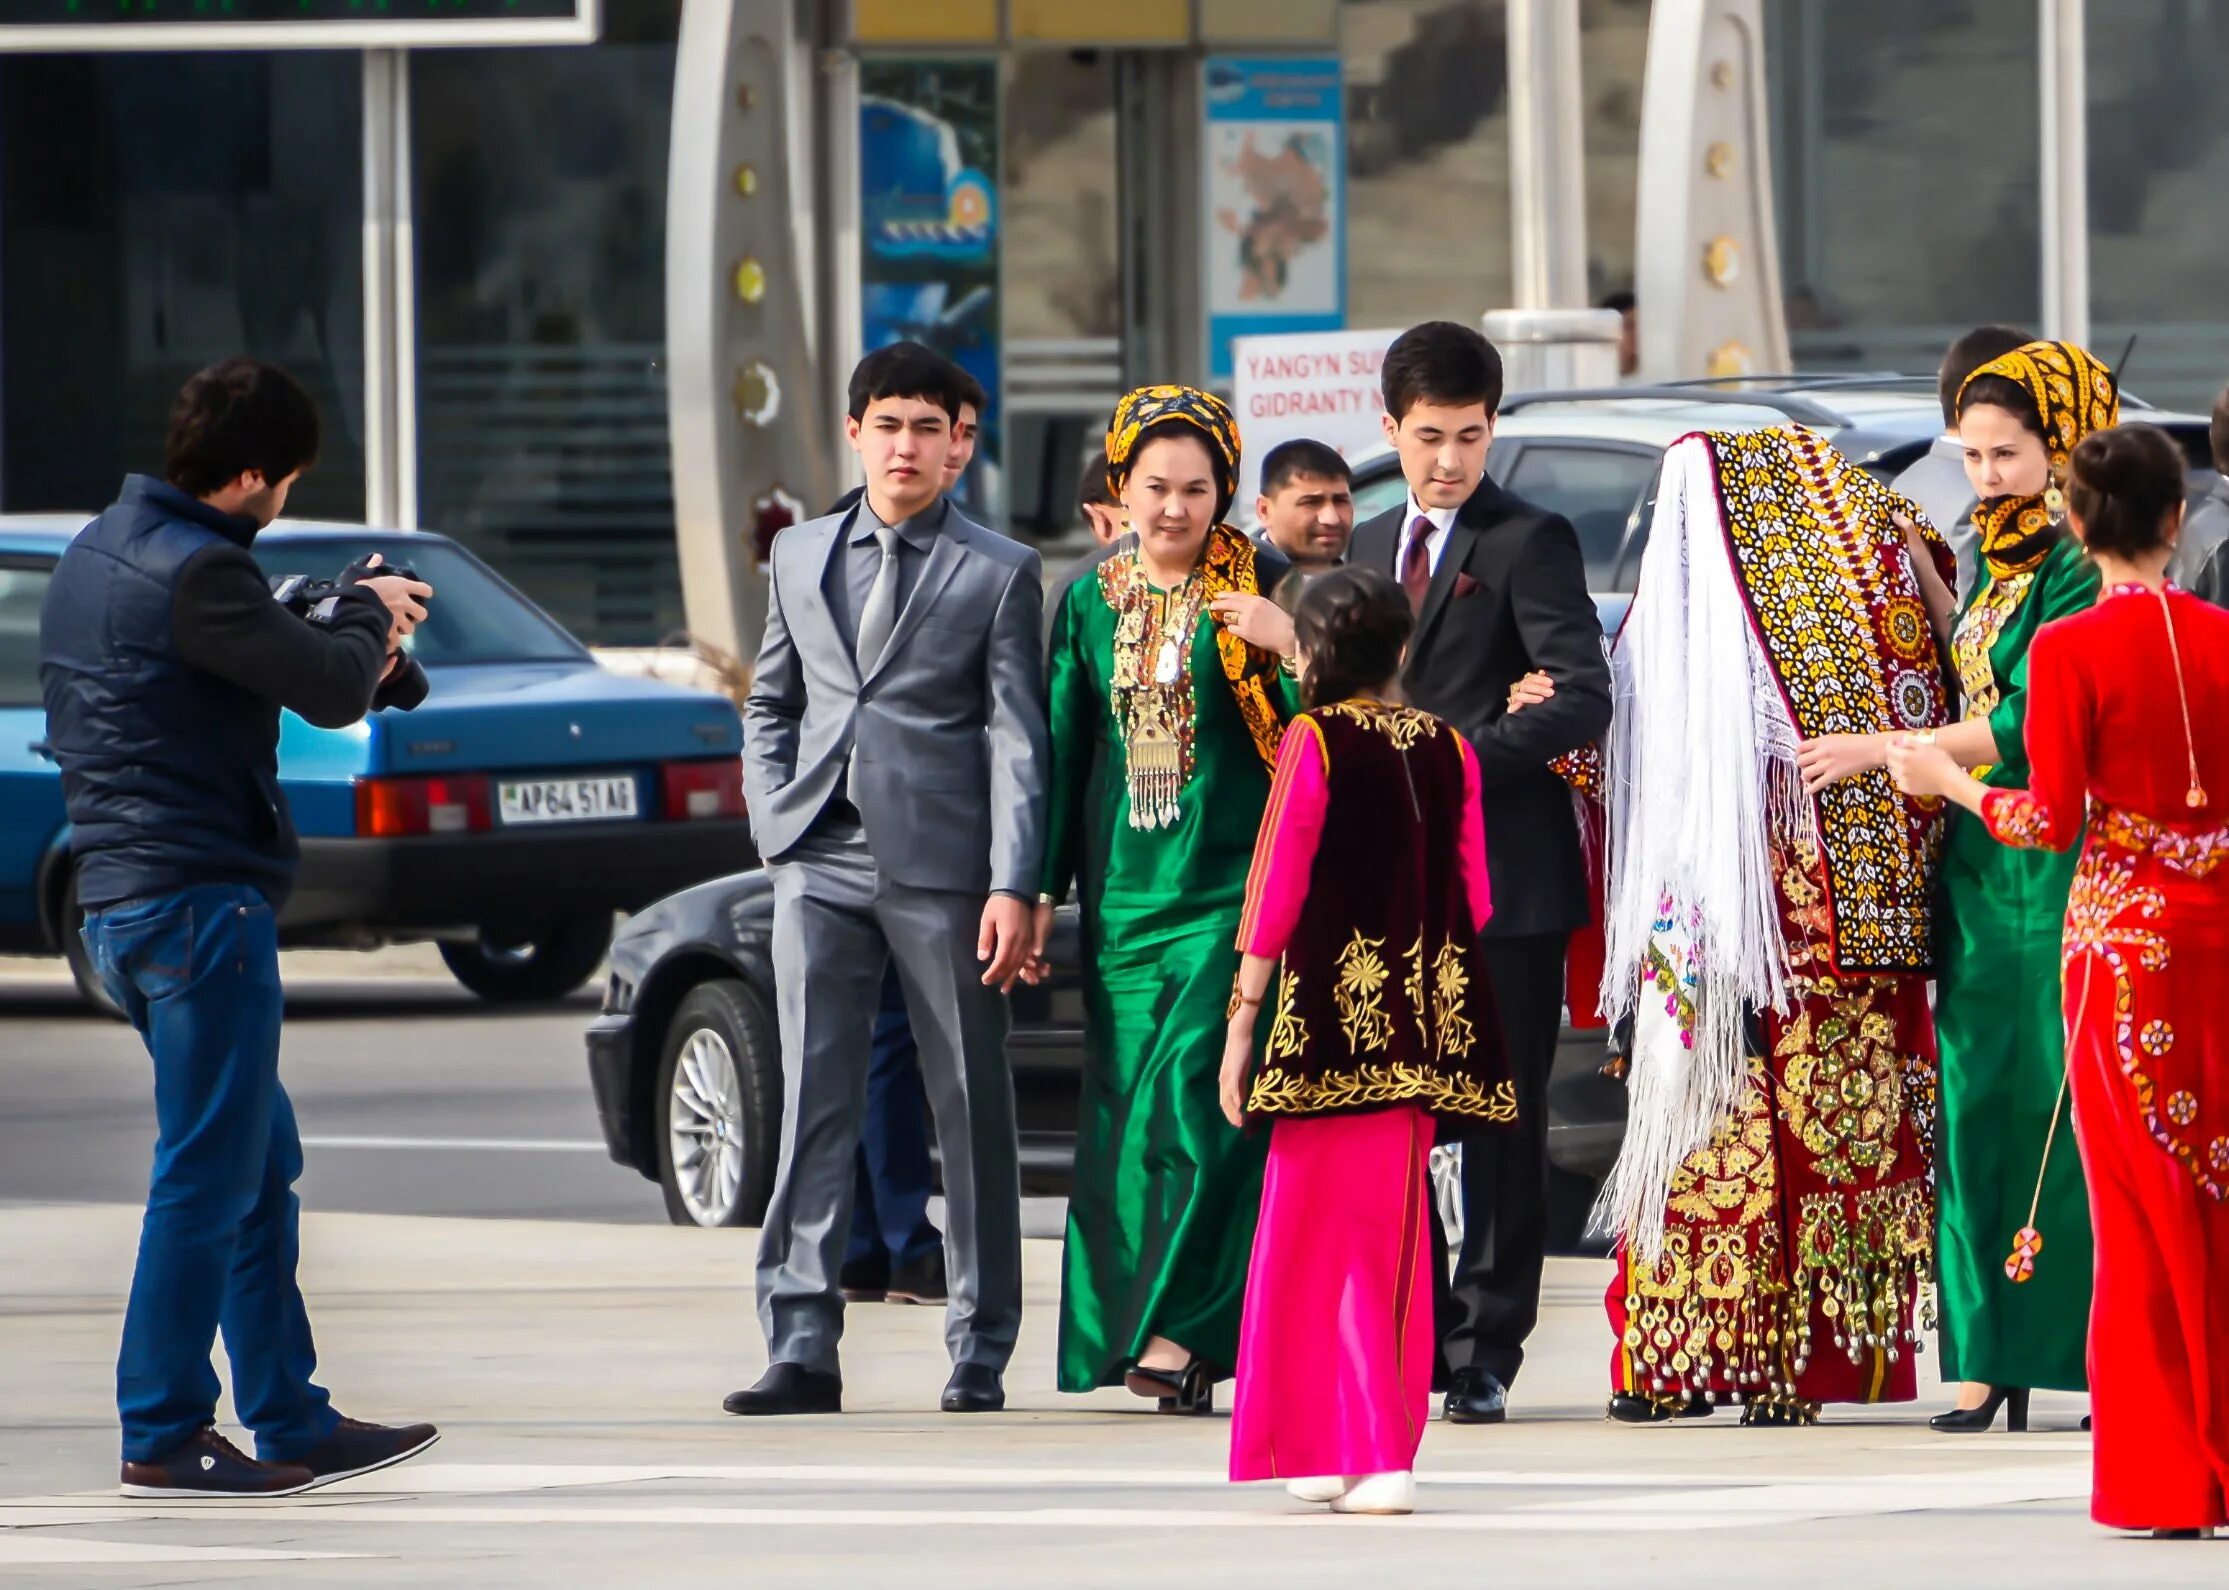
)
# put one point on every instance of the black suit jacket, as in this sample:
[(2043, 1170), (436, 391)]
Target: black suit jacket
[(1510, 596)]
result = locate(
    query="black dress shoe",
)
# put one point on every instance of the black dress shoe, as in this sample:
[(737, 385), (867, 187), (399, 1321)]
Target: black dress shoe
[(864, 1280), (1477, 1397), (789, 1388), (920, 1280), (1628, 1407), (974, 1388)]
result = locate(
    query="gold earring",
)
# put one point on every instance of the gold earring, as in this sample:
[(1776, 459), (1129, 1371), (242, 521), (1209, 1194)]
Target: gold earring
[(2054, 504)]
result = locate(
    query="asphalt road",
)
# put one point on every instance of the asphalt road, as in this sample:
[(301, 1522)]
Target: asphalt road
[(413, 1097)]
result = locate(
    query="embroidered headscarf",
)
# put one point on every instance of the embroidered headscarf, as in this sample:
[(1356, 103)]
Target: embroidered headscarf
[(2074, 394), (1227, 562), (1206, 413)]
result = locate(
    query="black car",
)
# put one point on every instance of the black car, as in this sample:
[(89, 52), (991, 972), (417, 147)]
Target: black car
[(686, 1065)]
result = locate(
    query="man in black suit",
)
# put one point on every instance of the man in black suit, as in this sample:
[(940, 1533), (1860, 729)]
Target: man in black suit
[(1500, 592)]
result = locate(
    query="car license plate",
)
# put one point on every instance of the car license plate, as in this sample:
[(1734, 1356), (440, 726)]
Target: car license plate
[(566, 800)]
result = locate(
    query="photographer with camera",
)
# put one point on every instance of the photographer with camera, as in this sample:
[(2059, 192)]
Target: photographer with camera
[(165, 658)]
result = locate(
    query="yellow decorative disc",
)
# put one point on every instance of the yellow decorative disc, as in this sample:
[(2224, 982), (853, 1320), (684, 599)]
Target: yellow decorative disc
[(1721, 261), (1718, 159), (746, 179), (750, 279)]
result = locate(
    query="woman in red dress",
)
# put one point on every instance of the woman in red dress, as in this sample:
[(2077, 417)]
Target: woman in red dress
[(2117, 696)]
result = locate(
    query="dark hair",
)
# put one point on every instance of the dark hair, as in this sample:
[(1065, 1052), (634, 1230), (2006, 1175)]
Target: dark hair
[(1352, 622), (1303, 456), (907, 370), (2002, 392), (1622, 301), (1968, 354), (2122, 483), (972, 394), (1439, 362), (236, 416), (2218, 432), (1091, 485), (1219, 467)]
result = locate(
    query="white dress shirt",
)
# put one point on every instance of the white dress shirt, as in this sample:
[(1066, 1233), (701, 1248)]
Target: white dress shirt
[(1443, 520)]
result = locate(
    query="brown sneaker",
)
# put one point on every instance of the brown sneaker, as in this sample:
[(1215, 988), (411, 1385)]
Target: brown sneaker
[(206, 1464)]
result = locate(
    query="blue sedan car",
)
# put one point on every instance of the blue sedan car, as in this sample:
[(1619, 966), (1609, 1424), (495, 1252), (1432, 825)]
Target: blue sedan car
[(529, 798)]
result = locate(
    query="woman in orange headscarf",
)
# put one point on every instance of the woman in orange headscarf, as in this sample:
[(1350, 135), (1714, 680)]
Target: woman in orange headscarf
[(1169, 692)]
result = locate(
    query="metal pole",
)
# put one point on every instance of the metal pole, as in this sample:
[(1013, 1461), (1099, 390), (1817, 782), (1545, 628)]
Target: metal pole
[(379, 287), (2065, 171), (1547, 156), (390, 296)]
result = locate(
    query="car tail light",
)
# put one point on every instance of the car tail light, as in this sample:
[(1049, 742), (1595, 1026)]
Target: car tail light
[(397, 808), (703, 789)]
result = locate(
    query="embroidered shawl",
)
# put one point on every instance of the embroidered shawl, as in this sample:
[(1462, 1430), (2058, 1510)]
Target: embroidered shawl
[(1776, 603)]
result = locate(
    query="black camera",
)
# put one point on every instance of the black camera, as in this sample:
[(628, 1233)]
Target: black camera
[(311, 600)]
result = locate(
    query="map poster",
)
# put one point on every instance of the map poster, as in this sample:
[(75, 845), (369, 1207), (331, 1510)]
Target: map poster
[(928, 226), (1275, 231)]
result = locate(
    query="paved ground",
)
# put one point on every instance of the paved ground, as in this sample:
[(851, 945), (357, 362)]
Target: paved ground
[(577, 1364), (414, 1097), (577, 1370)]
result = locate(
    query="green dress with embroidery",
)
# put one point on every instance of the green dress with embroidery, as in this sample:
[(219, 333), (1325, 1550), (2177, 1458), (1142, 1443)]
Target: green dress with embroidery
[(2002, 1034), (1161, 1215)]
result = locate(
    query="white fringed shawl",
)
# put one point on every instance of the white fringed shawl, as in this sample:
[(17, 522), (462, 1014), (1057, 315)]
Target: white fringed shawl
[(1700, 770)]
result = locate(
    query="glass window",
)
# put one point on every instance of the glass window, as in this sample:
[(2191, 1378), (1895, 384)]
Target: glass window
[(22, 590), (538, 182), (1906, 154), (473, 616), (2159, 166), (1613, 50), (164, 212), (1427, 159), (1596, 488), (1378, 487)]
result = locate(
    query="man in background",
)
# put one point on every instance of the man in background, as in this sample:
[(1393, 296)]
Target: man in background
[(1306, 506), (2202, 555), (1095, 499), (1629, 331)]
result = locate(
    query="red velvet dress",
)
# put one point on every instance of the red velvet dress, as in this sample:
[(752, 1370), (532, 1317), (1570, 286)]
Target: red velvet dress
[(2147, 1009)]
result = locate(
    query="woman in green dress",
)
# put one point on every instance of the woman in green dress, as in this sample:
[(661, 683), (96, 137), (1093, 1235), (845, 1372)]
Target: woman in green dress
[(2007, 1326), (1169, 694)]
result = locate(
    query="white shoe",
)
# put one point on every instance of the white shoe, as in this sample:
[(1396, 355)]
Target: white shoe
[(1379, 1493), (1317, 1488)]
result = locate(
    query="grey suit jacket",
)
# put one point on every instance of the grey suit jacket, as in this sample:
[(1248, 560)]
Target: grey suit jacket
[(949, 725)]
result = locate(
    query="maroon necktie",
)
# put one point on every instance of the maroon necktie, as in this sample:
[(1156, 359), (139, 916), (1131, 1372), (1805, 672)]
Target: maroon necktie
[(1416, 562)]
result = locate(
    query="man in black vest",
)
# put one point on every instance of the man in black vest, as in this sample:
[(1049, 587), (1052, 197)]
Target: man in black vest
[(1500, 591), (165, 660)]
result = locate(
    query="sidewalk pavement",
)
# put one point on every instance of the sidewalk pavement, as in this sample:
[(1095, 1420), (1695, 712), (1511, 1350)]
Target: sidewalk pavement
[(577, 1371)]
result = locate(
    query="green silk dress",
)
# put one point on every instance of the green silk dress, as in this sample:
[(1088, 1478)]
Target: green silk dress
[(1161, 1217), (2001, 1029)]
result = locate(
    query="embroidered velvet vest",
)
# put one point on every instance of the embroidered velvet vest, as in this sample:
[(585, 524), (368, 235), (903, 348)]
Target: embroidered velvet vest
[(1382, 998)]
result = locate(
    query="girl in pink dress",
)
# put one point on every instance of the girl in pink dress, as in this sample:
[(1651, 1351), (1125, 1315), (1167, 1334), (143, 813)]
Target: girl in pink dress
[(1363, 908)]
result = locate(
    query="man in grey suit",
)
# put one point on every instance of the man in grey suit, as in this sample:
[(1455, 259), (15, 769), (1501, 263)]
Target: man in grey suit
[(894, 754)]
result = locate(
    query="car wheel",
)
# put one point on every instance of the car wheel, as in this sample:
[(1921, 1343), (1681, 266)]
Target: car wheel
[(719, 1107), (548, 966), (66, 928)]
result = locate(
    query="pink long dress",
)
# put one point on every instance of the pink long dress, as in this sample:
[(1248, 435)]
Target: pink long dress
[(1335, 1343)]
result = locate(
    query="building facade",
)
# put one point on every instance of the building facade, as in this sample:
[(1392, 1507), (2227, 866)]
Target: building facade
[(462, 250)]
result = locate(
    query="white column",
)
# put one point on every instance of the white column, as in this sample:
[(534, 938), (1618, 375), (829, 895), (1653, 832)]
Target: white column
[(1547, 156), (2066, 186), (390, 297)]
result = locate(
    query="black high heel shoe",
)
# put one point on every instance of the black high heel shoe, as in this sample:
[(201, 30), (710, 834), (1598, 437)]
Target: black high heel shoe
[(1972, 1421), (1190, 1390)]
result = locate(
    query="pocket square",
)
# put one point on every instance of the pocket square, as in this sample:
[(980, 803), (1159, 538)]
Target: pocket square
[(1464, 585)]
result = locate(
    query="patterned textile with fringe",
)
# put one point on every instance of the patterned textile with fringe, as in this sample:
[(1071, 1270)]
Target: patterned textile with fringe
[(1776, 603)]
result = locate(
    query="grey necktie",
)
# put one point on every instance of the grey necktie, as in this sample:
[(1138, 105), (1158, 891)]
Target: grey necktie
[(880, 614)]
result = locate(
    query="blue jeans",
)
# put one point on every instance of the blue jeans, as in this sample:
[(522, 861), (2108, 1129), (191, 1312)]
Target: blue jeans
[(890, 1211), (198, 974)]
